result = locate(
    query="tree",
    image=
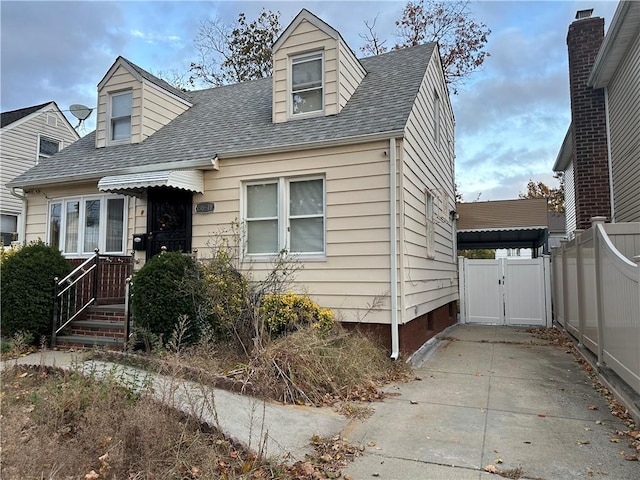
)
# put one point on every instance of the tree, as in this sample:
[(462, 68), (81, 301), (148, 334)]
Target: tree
[(478, 253), (233, 54), (460, 38), (373, 44), (554, 196)]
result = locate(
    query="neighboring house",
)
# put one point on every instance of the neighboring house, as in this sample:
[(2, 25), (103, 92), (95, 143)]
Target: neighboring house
[(346, 164), (600, 155), (512, 225), (556, 223), (28, 136)]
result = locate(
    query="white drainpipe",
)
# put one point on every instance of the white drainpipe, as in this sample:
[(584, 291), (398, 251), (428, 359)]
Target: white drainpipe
[(22, 232), (395, 337)]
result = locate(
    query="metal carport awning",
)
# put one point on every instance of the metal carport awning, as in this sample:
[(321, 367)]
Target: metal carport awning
[(514, 237), (135, 184)]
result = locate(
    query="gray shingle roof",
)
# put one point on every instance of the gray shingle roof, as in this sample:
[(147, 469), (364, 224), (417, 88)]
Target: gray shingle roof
[(236, 119), (7, 118)]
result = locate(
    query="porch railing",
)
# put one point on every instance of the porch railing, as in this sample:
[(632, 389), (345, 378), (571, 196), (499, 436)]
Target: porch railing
[(100, 279)]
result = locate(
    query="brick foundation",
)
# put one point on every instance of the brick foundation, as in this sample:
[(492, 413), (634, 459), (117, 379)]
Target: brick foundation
[(412, 334)]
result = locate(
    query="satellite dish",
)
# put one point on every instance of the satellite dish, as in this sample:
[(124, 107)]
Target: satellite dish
[(81, 112)]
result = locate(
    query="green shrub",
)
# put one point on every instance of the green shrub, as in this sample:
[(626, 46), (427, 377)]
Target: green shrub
[(286, 312), (27, 289), (227, 298), (166, 288)]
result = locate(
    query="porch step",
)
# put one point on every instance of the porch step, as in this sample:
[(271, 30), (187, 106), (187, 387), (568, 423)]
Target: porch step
[(99, 326), (87, 341)]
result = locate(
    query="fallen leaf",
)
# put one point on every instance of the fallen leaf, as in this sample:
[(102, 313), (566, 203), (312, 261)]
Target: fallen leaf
[(593, 407), (542, 415), (371, 444), (498, 460), (92, 475), (491, 469), (413, 402), (583, 442), (631, 458), (614, 440)]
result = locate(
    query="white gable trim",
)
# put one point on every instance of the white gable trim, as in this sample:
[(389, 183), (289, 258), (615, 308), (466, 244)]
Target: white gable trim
[(309, 17), (49, 107)]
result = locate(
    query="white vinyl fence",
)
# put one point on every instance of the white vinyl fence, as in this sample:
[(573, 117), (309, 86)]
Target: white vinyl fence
[(596, 294)]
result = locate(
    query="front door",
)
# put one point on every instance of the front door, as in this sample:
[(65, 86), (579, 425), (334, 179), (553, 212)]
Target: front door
[(168, 220)]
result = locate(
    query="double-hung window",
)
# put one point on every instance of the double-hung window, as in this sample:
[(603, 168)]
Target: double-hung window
[(78, 226), (120, 116), (47, 147), (285, 214), (307, 92)]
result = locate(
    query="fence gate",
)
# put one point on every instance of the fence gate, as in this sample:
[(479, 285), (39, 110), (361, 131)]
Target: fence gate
[(505, 291)]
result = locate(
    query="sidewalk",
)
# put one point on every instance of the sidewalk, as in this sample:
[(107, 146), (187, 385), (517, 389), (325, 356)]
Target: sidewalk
[(492, 396), (486, 396)]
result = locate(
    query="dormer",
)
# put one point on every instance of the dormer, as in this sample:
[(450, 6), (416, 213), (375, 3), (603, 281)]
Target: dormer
[(133, 104), (314, 70)]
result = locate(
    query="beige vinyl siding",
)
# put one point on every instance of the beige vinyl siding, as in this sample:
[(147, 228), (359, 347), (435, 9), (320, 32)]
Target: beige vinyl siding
[(20, 147), (428, 283), (160, 107), (351, 74), (120, 80), (342, 70), (624, 127), (356, 266)]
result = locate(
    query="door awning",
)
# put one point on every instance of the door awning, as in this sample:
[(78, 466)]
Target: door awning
[(136, 183)]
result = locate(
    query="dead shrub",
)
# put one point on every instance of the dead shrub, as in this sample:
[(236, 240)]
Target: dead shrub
[(312, 367)]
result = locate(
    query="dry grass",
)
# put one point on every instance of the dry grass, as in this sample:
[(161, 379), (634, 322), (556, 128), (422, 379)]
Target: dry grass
[(71, 425), (61, 425), (318, 369)]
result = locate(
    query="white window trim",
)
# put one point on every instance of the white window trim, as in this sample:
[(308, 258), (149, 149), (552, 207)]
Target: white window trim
[(290, 63), (110, 118), (284, 239), (430, 223), (47, 137), (437, 120), (81, 226)]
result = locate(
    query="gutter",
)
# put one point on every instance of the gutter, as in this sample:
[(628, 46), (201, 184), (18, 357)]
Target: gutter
[(393, 247), (22, 228)]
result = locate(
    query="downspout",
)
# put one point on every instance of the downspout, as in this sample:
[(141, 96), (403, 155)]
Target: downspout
[(22, 233), (606, 113), (393, 248)]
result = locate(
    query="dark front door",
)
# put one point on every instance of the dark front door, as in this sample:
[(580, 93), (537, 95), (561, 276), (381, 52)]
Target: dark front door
[(168, 220)]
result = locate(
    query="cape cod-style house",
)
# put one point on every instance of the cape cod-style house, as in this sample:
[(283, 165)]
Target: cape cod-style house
[(345, 163)]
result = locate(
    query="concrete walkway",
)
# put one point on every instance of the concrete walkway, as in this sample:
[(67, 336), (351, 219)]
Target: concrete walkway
[(486, 396), (493, 396)]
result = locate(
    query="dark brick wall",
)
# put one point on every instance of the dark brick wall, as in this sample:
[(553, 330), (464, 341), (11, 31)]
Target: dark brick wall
[(590, 160), (412, 334)]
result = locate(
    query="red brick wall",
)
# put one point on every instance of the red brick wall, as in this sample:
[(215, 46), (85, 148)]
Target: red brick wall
[(412, 334), (590, 160)]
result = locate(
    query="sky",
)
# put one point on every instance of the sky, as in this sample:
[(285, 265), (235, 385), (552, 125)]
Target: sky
[(511, 115)]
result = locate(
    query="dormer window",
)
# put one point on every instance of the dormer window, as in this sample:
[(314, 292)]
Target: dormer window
[(307, 92), (121, 104)]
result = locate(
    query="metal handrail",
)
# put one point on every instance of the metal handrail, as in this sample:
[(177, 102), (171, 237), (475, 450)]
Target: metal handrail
[(65, 292)]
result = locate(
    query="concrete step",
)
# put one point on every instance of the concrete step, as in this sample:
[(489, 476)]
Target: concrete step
[(87, 341)]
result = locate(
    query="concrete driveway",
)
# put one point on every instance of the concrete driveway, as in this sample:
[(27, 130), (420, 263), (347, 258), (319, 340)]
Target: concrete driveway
[(493, 396)]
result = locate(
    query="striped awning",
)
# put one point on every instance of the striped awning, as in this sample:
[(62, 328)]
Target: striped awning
[(136, 183)]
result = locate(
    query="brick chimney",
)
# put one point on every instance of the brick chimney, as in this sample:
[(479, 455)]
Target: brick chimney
[(590, 156)]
